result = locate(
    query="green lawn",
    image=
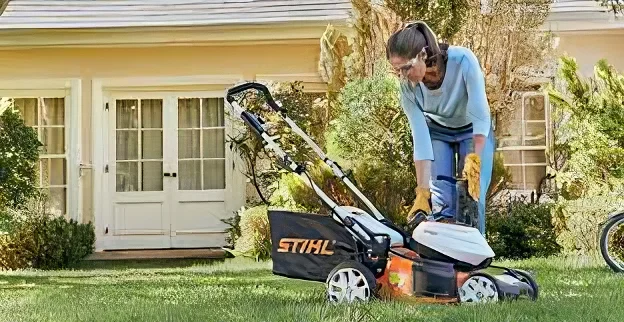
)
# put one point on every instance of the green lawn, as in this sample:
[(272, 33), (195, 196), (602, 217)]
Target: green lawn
[(239, 290)]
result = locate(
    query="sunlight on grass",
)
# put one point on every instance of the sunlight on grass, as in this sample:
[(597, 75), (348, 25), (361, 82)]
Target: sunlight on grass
[(572, 289)]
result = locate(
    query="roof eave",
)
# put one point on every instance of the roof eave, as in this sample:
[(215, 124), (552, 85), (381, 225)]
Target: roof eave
[(287, 32)]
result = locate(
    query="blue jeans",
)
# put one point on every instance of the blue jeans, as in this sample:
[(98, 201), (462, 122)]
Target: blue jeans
[(443, 139)]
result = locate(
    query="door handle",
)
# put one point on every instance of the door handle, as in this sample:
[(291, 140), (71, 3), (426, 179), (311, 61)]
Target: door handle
[(167, 174)]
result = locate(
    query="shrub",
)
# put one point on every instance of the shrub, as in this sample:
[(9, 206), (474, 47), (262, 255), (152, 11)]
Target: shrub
[(579, 221), (372, 134), (254, 237), (305, 199), (588, 149), (39, 240), (19, 153), (517, 229)]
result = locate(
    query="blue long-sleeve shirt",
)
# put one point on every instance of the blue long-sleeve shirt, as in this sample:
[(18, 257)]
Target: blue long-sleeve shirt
[(460, 100)]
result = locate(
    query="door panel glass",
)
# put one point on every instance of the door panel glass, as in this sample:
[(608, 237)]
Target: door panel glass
[(188, 144), (151, 114), (53, 111), (127, 174), (152, 144), (127, 145), (151, 176), (188, 113), (53, 140), (214, 174), (201, 145), (212, 112), (189, 173), (214, 146), (140, 157), (127, 114), (57, 200), (52, 171), (28, 110)]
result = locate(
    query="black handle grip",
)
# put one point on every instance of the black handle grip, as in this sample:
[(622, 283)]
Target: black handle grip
[(258, 87)]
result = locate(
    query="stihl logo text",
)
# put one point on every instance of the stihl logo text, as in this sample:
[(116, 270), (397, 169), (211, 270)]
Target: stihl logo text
[(304, 246)]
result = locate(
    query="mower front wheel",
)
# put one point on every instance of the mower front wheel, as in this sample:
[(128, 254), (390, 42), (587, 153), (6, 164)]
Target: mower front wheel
[(480, 288), (349, 282)]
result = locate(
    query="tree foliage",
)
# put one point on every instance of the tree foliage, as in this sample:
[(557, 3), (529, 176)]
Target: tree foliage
[(588, 150), (614, 6), (510, 45), (445, 17), (19, 153), (345, 57)]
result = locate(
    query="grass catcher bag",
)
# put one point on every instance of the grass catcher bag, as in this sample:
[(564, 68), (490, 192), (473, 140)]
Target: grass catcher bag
[(308, 246)]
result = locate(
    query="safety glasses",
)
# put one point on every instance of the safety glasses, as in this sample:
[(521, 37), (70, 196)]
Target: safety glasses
[(404, 69)]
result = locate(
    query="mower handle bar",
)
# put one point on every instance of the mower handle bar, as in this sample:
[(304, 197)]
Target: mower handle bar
[(251, 121), (256, 86)]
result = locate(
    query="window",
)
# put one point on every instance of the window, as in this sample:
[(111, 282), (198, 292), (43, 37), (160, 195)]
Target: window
[(524, 141), (139, 145), (47, 117), (201, 143)]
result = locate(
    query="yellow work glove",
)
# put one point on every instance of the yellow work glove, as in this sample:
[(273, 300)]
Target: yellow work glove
[(423, 195), (472, 173)]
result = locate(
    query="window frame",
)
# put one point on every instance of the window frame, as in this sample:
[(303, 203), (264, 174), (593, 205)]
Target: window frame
[(70, 89), (522, 148)]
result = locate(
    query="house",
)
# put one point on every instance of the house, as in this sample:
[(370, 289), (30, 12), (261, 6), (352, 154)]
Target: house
[(586, 30), (128, 99)]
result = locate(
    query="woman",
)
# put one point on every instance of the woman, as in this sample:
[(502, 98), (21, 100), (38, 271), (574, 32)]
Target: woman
[(443, 96)]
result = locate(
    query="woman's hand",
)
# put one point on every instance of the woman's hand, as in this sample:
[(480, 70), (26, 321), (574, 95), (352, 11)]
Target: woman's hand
[(472, 167), (423, 191)]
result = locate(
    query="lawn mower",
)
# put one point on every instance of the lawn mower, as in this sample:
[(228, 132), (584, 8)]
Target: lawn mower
[(361, 255)]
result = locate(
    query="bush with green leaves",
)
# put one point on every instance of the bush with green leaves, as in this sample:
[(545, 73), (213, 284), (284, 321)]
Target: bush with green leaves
[(519, 229), (588, 149), (580, 220), (252, 236), (371, 136), (19, 154), (36, 239)]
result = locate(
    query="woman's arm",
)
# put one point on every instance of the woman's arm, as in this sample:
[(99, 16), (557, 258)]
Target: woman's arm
[(478, 106), (421, 139), (423, 173)]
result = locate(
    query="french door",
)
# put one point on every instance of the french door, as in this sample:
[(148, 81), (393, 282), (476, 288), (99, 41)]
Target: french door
[(167, 173)]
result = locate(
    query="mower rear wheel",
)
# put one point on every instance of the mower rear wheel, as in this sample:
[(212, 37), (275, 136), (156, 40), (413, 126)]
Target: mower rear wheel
[(529, 279), (480, 288), (349, 282)]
